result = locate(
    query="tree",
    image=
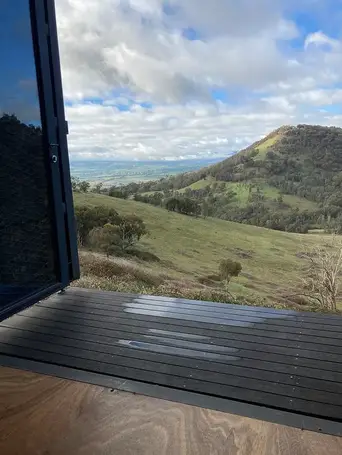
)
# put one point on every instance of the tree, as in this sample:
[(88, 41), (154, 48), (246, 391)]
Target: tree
[(172, 204), (117, 192), (280, 199), (229, 269), (75, 181), (83, 186), (205, 209), (322, 279), (88, 218), (129, 231), (97, 188)]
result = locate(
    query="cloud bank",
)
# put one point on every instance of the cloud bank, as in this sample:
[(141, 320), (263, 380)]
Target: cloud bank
[(154, 79)]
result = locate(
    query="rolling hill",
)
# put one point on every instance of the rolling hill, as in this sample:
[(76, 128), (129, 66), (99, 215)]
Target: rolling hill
[(190, 250), (290, 180)]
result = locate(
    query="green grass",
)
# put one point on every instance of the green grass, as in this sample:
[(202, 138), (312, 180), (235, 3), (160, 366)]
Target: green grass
[(263, 148), (199, 185), (190, 248), (242, 192)]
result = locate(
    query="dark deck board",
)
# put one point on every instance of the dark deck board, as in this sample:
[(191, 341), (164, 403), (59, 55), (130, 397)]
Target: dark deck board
[(184, 321), (100, 294), (256, 335), (280, 359), (180, 357), (213, 343), (164, 317), (329, 361), (106, 336), (288, 320), (327, 337), (105, 298)]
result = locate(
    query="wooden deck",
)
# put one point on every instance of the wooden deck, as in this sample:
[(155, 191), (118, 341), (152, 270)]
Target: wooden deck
[(280, 366), (46, 415)]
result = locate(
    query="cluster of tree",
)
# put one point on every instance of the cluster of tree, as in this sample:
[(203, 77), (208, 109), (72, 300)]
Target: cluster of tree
[(156, 199), (259, 214), (80, 186), (177, 203), (117, 192), (104, 229), (183, 205), (273, 214)]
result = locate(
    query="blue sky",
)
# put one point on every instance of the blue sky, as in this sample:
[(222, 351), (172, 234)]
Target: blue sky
[(18, 93), (148, 80)]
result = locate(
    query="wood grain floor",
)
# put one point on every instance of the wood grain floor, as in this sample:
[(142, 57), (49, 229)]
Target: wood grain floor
[(43, 415)]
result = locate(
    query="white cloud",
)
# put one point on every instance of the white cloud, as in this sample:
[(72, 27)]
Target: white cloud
[(319, 39), (174, 131), (130, 52)]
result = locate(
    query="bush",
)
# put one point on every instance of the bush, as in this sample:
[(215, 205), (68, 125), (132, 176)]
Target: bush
[(105, 239), (106, 231), (183, 205), (229, 269), (129, 231), (116, 192), (88, 218)]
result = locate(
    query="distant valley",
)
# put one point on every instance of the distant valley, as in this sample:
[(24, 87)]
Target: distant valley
[(112, 172)]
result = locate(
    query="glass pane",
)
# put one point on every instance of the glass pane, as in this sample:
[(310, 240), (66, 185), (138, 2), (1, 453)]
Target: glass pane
[(26, 255)]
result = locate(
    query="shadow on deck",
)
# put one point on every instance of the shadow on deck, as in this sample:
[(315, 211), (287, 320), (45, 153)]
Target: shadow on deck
[(282, 366)]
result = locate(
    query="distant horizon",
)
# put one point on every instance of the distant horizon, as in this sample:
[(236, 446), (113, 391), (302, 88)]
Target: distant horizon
[(134, 160), (119, 172)]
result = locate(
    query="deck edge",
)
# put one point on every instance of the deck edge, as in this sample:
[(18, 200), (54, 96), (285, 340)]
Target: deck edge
[(252, 411)]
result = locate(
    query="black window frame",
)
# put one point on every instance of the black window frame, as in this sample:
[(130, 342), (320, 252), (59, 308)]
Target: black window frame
[(54, 125)]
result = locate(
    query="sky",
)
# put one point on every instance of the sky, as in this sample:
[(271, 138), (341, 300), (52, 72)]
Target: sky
[(175, 79), (18, 87)]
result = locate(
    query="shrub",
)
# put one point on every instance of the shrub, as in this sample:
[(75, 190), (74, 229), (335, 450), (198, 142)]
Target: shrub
[(229, 269), (129, 231), (105, 239), (88, 218)]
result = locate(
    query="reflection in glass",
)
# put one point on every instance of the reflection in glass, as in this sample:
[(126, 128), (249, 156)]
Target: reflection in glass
[(26, 254)]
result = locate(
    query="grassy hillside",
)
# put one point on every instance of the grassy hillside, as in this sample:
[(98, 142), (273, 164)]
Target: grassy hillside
[(291, 180), (191, 248), (242, 192)]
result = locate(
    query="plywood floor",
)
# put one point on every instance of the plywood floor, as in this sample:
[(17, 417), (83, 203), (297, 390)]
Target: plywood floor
[(46, 415)]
